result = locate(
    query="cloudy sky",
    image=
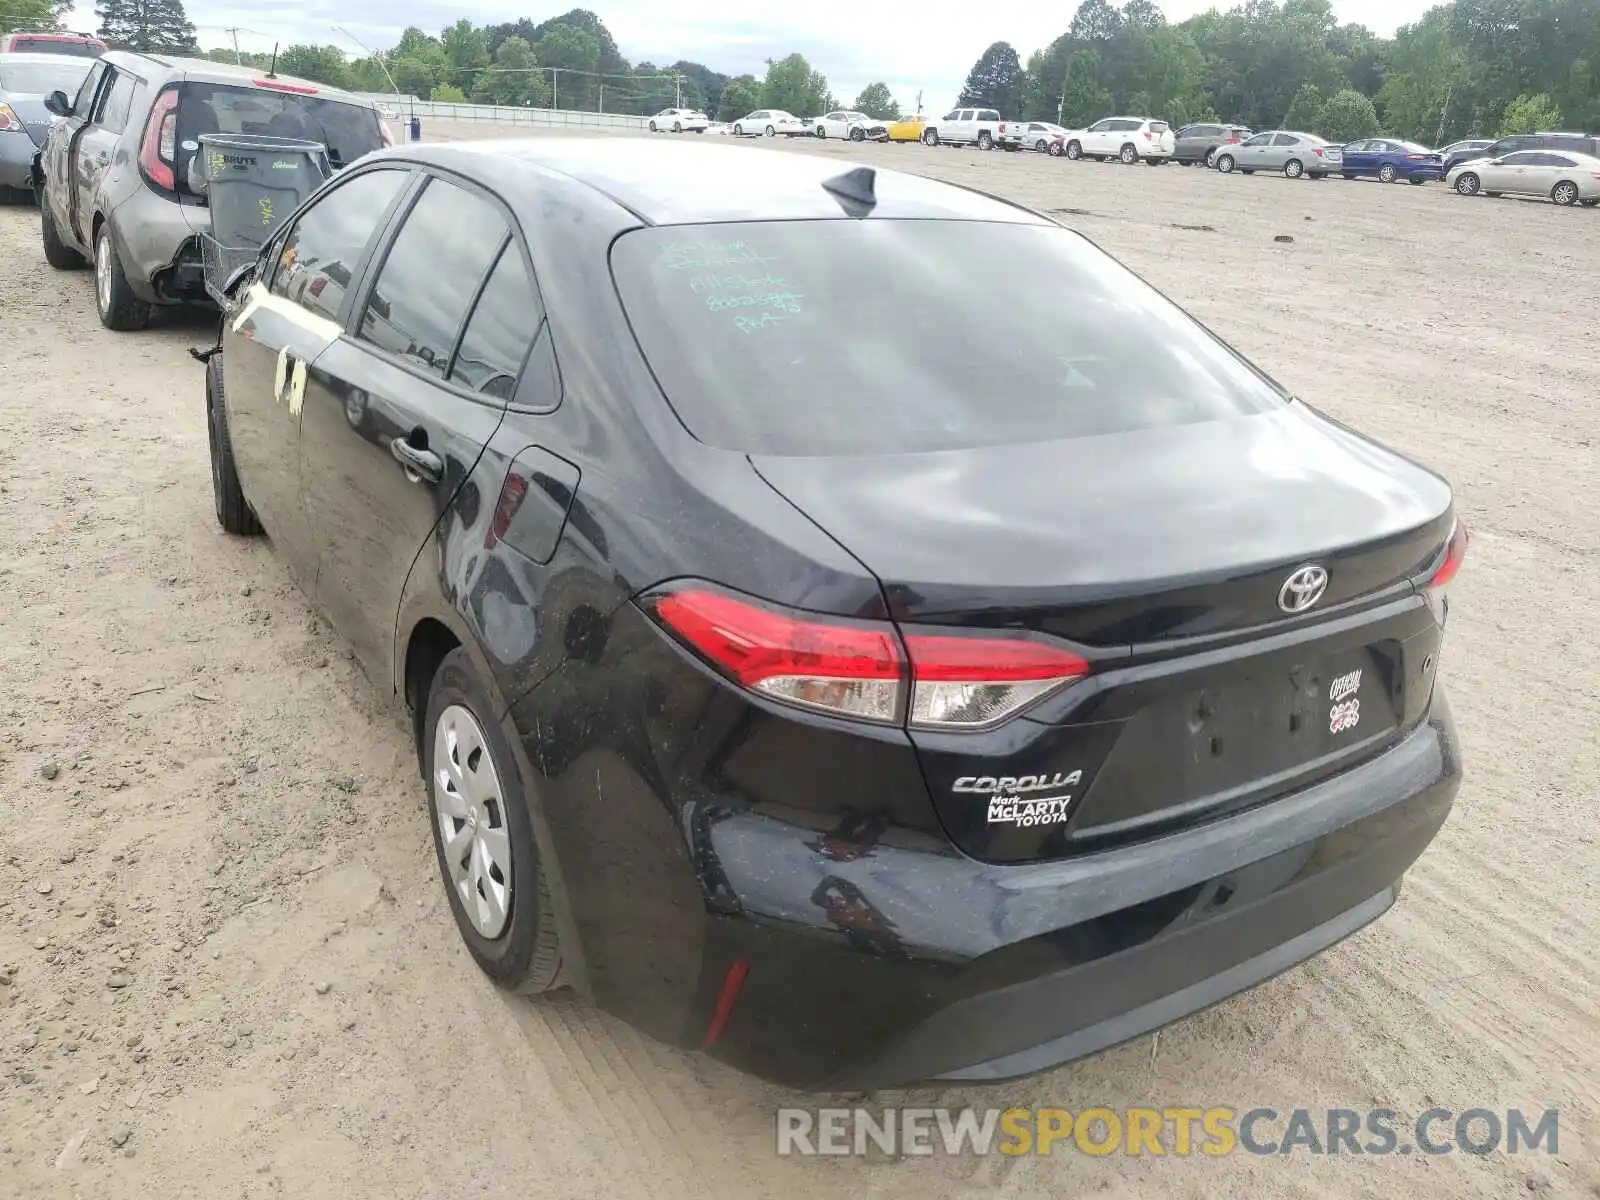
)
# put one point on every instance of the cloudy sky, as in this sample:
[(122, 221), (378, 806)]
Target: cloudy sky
[(927, 47)]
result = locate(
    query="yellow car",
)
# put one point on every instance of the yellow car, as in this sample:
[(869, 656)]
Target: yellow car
[(906, 129)]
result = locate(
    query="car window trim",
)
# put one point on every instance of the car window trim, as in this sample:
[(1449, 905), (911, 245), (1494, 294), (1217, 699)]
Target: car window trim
[(356, 297)]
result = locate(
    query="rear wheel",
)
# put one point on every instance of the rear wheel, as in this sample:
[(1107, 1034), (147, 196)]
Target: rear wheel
[(56, 252), (677, 127), (1041, 146), (652, 125), (1211, 157), (234, 513), (483, 836), (822, 133), (119, 308), (930, 137), (985, 142), (1294, 168), (1468, 184), (771, 132), (1565, 193), (1129, 154), (1074, 151), (1056, 149), (738, 130), (858, 135), (1225, 163), (1387, 173)]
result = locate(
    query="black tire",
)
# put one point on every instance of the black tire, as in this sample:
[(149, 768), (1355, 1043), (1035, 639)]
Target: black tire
[(677, 127), (652, 125), (1211, 157), (56, 252), (1293, 169), (985, 142), (930, 137), (822, 134), (738, 129), (858, 135), (1225, 163), (1468, 184), (1565, 193), (1387, 173), (234, 513), (1349, 174), (771, 132), (1155, 162), (1056, 150), (1042, 146), (118, 307), (1416, 181), (526, 956), (1128, 155), (1074, 151)]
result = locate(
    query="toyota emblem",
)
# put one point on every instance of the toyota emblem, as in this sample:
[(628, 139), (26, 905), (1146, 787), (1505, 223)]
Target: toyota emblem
[(1303, 588)]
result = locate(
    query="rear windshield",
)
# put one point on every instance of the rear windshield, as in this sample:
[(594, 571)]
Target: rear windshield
[(1158, 126), (27, 45), (890, 336), (40, 79), (348, 130)]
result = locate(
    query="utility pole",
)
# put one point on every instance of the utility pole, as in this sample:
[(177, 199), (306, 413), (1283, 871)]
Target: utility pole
[(233, 31), (555, 91), (1438, 135), (600, 105), (678, 103)]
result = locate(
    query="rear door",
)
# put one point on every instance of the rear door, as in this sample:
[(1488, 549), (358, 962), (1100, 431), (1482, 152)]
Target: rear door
[(96, 143), (63, 169), (399, 409), (290, 315), (1358, 157)]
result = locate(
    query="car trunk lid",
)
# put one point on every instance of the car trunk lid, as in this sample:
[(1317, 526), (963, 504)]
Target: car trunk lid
[(1164, 556)]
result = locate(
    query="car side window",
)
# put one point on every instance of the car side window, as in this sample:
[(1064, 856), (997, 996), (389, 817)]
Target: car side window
[(430, 274), (1557, 160), (1285, 139), (116, 102), (501, 328), (951, 116), (988, 114), (1260, 139), (1099, 127), (86, 90), (1523, 158), (318, 258)]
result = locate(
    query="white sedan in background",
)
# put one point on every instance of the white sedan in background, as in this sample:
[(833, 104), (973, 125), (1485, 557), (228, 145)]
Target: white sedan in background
[(769, 122), (679, 120), (1566, 177), (847, 123)]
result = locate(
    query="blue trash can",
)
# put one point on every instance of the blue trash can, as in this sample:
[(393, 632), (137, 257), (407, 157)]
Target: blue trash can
[(416, 129)]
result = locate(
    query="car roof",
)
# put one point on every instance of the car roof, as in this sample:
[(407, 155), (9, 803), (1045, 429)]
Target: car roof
[(668, 184), (29, 56), (205, 70)]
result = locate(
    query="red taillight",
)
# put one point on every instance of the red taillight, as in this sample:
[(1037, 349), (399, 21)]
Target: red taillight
[(1455, 552), (1317, 150), (512, 492), (849, 668), (1234, 136), (1146, 135), (279, 86), (862, 669), (967, 683), (158, 148)]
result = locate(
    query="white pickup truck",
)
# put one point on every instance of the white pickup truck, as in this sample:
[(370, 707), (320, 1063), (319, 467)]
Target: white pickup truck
[(978, 127)]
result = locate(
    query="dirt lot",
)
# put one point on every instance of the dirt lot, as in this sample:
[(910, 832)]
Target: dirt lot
[(227, 969)]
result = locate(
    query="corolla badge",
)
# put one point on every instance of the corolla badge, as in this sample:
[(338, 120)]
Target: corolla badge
[(1303, 588)]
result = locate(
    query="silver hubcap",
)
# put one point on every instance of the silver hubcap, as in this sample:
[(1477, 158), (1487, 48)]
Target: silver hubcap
[(472, 820), (102, 272), (1565, 194)]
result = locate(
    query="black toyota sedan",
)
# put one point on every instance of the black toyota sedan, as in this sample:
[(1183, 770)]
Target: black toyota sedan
[(863, 710)]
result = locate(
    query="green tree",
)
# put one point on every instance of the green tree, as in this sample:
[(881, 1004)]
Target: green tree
[(995, 81), (793, 86), (708, 84), (515, 77), (1530, 114), (29, 14), (320, 64), (1423, 95), (159, 25), (1095, 21), (877, 103), (448, 93), (466, 52), (413, 76), (1305, 113), (1348, 115), (576, 54), (739, 96)]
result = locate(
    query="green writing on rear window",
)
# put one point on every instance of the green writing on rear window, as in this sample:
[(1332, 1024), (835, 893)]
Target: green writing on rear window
[(729, 277)]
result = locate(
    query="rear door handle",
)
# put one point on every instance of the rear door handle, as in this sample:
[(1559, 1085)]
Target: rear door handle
[(422, 466)]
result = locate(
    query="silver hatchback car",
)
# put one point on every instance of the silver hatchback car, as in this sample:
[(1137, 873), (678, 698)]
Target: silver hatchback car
[(114, 174)]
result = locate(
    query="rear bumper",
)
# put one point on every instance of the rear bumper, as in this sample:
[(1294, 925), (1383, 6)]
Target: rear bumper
[(17, 153), (899, 966)]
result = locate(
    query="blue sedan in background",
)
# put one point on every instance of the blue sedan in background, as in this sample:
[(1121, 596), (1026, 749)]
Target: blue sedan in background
[(1391, 161)]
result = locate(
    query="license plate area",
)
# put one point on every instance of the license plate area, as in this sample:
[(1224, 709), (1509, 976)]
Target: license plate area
[(1239, 734)]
